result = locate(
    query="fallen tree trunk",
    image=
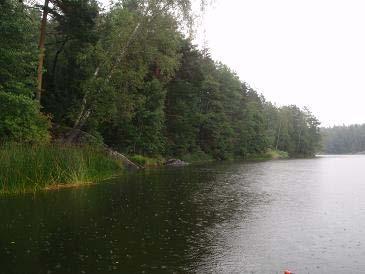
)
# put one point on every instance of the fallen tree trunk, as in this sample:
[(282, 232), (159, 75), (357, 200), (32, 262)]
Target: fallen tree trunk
[(120, 157), (79, 137)]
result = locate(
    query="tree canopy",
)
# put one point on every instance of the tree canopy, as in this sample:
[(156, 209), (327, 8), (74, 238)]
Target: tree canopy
[(344, 139), (132, 77)]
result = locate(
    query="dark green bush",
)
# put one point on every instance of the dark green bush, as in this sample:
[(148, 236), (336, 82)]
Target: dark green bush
[(21, 119)]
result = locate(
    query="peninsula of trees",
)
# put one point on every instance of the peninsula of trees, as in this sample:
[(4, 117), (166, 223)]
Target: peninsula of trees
[(131, 78)]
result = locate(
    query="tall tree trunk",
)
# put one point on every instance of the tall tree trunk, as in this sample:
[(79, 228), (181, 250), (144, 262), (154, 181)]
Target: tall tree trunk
[(299, 138), (42, 39), (84, 112), (278, 137), (55, 59)]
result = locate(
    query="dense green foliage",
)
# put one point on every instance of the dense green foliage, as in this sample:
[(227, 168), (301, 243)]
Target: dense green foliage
[(20, 116), (27, 168), (131, 77), (18, 48), (344, 139), (21, 120), (295, 131)]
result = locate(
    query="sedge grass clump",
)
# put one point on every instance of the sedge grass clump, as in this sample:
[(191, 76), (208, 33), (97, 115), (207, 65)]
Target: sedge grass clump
[(26, 168), (147, 161), (277, 154)]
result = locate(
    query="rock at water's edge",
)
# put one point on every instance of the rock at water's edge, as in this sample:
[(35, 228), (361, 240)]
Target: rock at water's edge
[(175, 162)]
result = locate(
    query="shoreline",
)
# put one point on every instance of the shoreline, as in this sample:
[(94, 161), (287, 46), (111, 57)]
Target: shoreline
[(81, 166)]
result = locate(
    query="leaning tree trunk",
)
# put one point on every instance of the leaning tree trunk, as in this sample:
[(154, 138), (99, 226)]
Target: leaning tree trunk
[(84, 111), (42, 38)]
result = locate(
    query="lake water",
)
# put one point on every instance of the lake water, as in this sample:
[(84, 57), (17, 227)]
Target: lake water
[(304, 215)]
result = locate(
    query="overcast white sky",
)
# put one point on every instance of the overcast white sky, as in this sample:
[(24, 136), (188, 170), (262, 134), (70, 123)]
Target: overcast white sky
[(305, 52)]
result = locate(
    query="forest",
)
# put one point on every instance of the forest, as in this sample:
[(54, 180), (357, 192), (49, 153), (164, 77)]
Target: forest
[(127, 146), (344, 139), (131, 78)]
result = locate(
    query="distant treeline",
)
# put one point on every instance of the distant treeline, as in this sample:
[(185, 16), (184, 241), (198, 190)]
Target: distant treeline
[(131, 78), (344, 139)]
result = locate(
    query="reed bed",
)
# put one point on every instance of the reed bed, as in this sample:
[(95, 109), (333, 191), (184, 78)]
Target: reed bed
[(25, 168)]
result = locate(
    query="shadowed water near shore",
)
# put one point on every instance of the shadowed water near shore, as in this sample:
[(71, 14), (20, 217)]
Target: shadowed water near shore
[(305, 215)]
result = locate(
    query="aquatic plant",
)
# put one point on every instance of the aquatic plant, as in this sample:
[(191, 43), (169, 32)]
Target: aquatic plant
[(26, 168)]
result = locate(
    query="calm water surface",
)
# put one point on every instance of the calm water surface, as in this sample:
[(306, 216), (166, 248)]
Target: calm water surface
[(304, 215)]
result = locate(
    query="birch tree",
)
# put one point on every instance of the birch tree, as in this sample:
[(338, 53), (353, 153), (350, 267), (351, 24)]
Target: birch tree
[(146, 13)]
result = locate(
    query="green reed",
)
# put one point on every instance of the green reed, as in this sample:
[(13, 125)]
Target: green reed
[(25, 168)]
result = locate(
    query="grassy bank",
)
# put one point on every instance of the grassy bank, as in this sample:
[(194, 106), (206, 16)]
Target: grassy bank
[(268, 155), (25, 168), (201, 157), (146, 161)]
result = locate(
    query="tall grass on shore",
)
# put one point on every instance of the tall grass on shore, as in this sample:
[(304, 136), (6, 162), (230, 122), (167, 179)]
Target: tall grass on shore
[(25, 168)]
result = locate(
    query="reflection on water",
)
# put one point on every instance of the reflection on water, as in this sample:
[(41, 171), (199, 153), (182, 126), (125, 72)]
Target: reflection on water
[(305, 215)]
